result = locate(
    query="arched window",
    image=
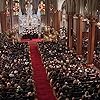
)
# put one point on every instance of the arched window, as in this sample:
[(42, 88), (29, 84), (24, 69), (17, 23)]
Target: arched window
[(42, 7), (15, 7), (7, 8)]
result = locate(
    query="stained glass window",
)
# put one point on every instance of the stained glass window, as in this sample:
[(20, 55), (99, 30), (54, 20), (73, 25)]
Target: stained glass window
[(42, 7), (7, 8), (15, 7)]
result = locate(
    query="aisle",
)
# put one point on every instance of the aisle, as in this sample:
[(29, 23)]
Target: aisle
[(43, 89)]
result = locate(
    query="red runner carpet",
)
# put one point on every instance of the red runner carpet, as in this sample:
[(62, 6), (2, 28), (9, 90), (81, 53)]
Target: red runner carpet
[(43, 88)]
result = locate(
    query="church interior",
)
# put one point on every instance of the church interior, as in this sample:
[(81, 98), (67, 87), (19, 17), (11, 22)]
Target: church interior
[(49, 49)]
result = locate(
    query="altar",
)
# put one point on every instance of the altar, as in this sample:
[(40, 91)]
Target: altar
[(29, 23)]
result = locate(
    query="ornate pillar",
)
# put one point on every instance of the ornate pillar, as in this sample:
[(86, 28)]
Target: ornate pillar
[(3, 15), (91, 36), (47, 13), (11, 13), (70, 30), (57, 20), (79, 29), (3, 21)]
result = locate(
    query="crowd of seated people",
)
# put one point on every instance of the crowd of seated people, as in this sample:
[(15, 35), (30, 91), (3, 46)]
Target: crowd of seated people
[(16, 81), (30, 34), (97, 55), (63, 36), (85, 47), (98, 48), (68, 75)]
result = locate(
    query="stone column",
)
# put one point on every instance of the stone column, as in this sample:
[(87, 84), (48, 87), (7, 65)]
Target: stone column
[(91, 36), (70, 30), (11, 13), (0, 24), (57, 20), (3, 21), (79, 29), (3, 15), (47, 13)]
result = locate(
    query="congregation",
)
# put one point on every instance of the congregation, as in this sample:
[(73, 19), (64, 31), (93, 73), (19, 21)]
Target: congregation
[(16, 81), (49, 50), (69, 76), (97, 55)]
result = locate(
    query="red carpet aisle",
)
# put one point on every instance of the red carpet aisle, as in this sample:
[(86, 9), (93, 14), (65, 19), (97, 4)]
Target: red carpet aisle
[(43, 89)]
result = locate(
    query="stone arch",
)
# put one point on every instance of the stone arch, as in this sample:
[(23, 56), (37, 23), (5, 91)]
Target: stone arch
[(60, 3)]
